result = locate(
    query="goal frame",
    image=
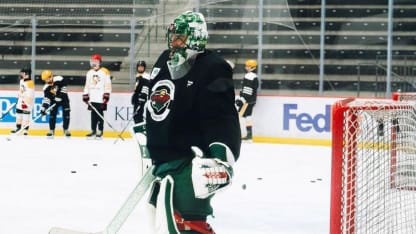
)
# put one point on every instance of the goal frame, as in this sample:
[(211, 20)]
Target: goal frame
[(340, 111)]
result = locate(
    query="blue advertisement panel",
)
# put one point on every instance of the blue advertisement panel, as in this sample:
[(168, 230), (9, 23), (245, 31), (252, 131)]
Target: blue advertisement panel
[(8, 112)]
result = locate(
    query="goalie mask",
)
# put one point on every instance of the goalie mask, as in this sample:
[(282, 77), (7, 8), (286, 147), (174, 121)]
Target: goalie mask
[(187, 36), (192, 25)]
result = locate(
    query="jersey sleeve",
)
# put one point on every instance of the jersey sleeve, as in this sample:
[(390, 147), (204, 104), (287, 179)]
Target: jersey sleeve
[(249, 87), (107, 84), (47, 96), (220, 122)]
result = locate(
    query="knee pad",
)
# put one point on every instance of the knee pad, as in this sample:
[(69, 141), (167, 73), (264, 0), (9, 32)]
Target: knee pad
[(166, 219)]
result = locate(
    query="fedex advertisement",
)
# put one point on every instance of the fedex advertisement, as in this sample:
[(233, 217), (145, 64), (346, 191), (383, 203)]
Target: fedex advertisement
[(287, 118)]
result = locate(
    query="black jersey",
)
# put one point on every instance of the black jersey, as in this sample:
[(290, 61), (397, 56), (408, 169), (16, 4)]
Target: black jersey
[(55, 92), (195, 110), (141, 90), (249, 87)]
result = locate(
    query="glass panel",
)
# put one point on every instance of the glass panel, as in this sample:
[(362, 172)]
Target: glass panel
[(287, 44)]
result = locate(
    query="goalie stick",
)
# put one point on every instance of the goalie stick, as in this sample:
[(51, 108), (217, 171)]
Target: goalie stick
[(103, 119), (125, 210), (7, 111)]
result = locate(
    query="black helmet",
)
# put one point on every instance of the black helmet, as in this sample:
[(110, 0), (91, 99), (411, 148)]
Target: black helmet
[(141, 63), (27, 70)]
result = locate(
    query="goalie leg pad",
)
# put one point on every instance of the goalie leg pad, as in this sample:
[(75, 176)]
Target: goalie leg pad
[(164, 218)]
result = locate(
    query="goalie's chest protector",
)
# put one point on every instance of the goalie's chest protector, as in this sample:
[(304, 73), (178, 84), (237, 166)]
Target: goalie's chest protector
[(172, 119)]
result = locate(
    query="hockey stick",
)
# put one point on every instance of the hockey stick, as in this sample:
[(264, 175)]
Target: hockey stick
[(243, 110), (125, 127), (27, 125), (7, 111), (102, 117), (139, 131), (123, 213)]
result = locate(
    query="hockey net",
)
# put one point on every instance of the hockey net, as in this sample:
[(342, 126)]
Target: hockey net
[(373, 187)]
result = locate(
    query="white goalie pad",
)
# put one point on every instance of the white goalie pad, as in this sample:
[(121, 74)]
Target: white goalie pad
[(164, 218)]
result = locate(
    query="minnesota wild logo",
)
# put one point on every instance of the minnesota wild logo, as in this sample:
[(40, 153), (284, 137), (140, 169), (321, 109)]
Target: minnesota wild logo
[(162, 95), (160, 99)]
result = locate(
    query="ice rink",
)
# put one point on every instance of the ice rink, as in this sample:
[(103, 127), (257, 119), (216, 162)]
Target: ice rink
[(276, 189)]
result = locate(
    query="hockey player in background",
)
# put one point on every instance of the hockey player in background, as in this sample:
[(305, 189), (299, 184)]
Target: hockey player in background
[(246, 101), (25, 101), (55, 92), (193, 133), (141, 91), (96, 94)]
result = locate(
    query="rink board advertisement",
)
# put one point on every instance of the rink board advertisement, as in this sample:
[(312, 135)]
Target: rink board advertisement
[(118, 114), (279, 119), (305, 120)]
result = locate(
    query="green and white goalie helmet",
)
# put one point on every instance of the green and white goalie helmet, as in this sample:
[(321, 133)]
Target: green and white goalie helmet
[(193, 25)]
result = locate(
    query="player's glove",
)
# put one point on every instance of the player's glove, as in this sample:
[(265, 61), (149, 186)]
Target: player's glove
[(239, 102), (210, 175), (43, 111), (24, 106), (134, 98), (85, 98), (106, 98)]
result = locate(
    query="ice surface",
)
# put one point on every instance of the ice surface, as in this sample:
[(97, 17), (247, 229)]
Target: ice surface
[(286, 187)]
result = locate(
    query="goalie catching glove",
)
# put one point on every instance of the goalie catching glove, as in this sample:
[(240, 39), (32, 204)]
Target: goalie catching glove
[(210, 175)]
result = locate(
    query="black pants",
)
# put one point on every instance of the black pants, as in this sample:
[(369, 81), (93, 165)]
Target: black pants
[(96, 120), (65, 112)]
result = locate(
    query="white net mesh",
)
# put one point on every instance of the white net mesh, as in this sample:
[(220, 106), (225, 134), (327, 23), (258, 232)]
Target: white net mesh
[(378, 167)]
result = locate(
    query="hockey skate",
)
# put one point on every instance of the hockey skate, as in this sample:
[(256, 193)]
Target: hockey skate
[(15, 130), (91, 135), (99, 135), (50, 134), (247, 139), (19, 131), (67, 133), (249, 136)]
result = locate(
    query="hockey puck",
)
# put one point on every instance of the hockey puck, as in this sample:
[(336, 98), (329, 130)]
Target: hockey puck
[(94, 164), (244, 186), (73, 171)]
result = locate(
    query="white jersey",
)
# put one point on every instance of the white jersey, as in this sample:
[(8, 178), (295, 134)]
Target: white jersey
[(97, 83), (26, 94)]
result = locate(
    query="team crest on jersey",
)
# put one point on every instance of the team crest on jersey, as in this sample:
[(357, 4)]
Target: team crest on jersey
[(160, 98)]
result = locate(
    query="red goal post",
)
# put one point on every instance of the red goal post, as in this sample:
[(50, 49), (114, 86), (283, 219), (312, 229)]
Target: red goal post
[(373, 177), (398, 96)]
